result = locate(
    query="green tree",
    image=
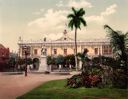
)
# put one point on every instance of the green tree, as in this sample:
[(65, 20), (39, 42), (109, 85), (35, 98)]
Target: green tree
[(36, 63), (29, 61), (76, 19), (70, 60), (119, 44), (51, 60), (12, 63), (59, 60)]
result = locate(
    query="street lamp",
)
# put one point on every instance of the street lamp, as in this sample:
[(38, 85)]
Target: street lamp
[(26, 53)]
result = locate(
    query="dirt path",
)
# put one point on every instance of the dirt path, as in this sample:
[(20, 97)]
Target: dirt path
[(12, 86)]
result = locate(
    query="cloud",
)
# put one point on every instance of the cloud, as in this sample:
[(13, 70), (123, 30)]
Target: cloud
[(53, 21), (101, 18), (51, 18), (110, 10), (80, 4), (74, 3)]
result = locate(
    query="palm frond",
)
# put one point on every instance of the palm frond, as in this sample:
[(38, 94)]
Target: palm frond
[(81, 12), (71, 24), (78, 25), (119, 43), (77, 18), (108, 29), (83, 21), (116, 39), (74, 11), (126, 40), (126, 34), (107, 26), (70, 16)]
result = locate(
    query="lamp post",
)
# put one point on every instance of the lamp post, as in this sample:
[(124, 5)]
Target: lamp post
[(26, 53)]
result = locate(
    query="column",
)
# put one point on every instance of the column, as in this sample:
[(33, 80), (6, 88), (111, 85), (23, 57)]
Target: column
[(101, 50)]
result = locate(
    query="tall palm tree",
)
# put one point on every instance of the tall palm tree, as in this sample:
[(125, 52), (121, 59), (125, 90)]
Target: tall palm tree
[(76, 19), (119, 44)]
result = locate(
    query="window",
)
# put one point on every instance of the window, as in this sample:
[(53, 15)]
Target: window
[(65, 51), (107, 50), (110, 50), (55, 51), (35, 51), (26, 49), (96, 51)]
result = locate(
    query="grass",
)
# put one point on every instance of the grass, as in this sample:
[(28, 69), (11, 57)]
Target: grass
[(56, 90)]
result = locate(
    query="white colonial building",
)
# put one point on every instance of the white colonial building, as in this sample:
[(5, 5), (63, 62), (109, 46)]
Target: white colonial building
[(64, 46)]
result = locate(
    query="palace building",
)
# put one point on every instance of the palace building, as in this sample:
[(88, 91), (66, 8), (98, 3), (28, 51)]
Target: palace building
[(64, 46)]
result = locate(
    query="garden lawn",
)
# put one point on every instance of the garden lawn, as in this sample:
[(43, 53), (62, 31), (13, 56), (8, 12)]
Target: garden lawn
[(57, 90)]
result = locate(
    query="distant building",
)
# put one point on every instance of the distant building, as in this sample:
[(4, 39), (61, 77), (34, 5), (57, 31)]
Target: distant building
[(4, 53), (4, 56), (64, 46)]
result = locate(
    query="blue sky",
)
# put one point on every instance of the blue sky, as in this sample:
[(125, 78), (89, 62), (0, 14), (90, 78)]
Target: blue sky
[(36, 19)]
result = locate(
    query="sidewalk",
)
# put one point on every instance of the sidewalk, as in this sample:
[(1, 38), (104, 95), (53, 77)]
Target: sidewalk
[(12, 86)]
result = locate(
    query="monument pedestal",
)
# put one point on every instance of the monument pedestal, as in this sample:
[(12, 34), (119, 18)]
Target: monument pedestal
[(80, 65), (43, 64)]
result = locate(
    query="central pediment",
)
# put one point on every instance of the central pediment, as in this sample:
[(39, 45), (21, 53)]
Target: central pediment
[(65, 37)]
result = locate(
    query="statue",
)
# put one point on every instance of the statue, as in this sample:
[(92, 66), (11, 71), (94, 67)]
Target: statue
[(85, 62), (43, 61), (43, 51)]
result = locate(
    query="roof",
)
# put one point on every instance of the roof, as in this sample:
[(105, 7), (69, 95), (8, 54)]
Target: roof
[(64, 39), (1, 46)]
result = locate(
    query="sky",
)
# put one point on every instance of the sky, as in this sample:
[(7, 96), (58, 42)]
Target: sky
[(36, 19)]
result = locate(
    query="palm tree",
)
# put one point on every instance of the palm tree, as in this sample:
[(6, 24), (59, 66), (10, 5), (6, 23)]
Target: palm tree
[(76, 19), (119, 44)]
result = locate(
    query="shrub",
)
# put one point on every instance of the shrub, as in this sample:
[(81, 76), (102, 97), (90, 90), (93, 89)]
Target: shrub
[(84, 80), (120, 79), (74, 81)]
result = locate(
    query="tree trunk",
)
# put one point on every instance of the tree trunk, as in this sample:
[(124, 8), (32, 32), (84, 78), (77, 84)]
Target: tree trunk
[(76, 50)]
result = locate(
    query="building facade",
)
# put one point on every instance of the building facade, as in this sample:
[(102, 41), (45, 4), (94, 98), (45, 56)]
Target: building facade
[(4, 53), (4, 56), (64, 46)]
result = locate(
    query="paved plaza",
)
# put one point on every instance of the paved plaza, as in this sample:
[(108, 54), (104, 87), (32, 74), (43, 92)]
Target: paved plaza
[(12, 86)]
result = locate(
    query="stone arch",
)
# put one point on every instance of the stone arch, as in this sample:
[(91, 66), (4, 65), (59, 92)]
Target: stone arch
[(36, 62)]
